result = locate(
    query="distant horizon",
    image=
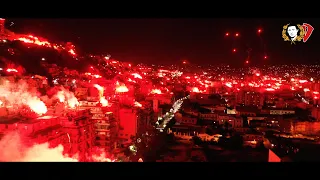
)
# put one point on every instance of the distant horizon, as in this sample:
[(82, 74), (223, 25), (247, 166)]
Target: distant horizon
[(221, 64)]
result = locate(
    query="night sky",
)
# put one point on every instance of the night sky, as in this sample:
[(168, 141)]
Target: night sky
[(165, 41)]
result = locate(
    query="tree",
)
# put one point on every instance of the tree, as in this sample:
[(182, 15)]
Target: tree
[(127, 152), (236, 142), (245, 121), (133, 138), (170, 137), (227, 125), (209, 131), (196, 140), (171, 123), (224, 129), (222, 141), (260, 145)]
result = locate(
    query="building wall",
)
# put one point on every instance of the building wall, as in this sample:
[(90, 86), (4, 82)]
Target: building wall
[(281, 112), (188, 120), (208, 116), (234, 122), (128, 123), (285, 125), (76, 131), (143, 121), (80, 131), (246, 113), (306, 128), (239, 97), (47, 129), (252, 137), (102, 128), (105, 124), (316, 113), (253, 98)]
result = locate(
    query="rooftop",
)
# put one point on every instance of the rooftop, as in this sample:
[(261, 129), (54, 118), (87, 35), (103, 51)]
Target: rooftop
[(248, 108), (9, 120), (285, 109), (46, 130)]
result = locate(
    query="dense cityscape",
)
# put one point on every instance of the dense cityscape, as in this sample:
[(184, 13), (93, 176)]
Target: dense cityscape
[(60, 105)]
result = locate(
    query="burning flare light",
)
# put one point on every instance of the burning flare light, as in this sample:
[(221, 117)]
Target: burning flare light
[(136, 75), (14, 150), (29, 39), (67, 97), (156, 91), (196, 90), (121, 88), (137, 104), (17, 95), (102, 99)]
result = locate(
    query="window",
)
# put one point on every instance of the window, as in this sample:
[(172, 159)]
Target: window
[(103, 127)]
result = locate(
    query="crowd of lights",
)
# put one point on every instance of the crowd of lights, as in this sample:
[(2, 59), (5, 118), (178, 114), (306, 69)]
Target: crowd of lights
[(153, 81)]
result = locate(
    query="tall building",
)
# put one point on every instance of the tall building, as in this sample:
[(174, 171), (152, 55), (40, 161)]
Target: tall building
[(105, 123), (74, 131), (239, 97), (144, 121), (128, 125), (270, 98), (250, 98), (213, 90), (106, 129), (253, 98), (36, 131), (79, 128), (46, 129)]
